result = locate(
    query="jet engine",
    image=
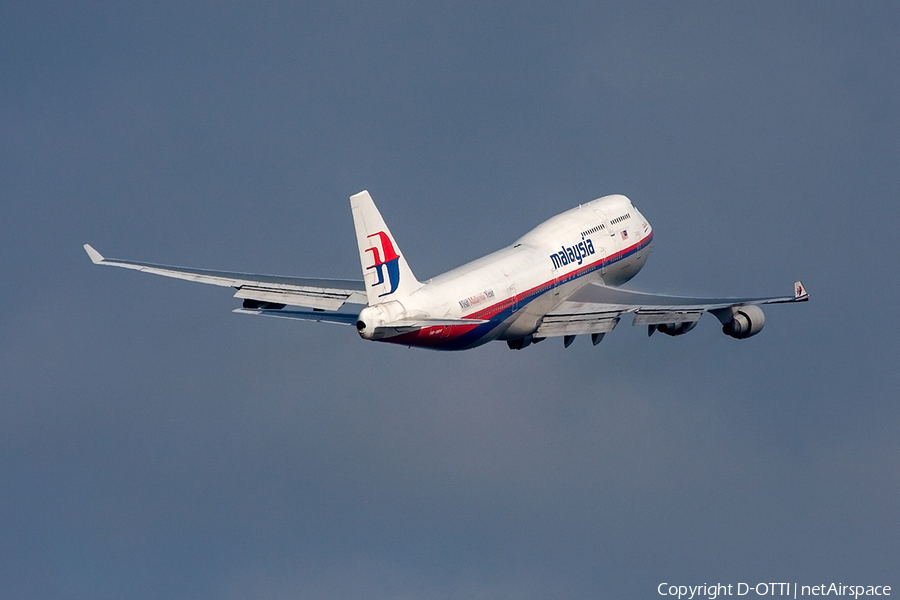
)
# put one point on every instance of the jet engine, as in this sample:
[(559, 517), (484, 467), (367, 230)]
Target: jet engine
[(522, 342), (745, 322), (674, 329)]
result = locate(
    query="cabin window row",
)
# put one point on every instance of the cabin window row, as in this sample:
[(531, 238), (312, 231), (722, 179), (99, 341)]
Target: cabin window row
[(592, 230)]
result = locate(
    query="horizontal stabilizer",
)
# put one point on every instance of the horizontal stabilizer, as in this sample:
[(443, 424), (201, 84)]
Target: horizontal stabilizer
[(341, 318)]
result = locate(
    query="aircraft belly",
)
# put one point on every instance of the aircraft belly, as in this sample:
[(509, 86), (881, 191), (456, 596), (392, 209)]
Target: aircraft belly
[(456, 337)]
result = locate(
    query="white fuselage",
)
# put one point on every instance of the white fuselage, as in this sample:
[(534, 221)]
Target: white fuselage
[(606, 241)]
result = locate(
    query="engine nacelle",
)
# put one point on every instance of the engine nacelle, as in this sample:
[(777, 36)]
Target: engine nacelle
[(522, 342), (674, 329), (745, 321)]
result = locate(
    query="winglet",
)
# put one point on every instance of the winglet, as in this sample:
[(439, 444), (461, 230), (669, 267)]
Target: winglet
[(95, 256), (800, 292)]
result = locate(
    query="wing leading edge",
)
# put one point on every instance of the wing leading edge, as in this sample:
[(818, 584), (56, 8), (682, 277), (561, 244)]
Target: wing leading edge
[(263, 294)]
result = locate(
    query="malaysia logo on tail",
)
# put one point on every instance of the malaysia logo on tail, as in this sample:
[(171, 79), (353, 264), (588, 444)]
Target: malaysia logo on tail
[(388, 260)]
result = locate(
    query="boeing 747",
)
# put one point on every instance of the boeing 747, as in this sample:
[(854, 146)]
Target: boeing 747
[(561, 279)]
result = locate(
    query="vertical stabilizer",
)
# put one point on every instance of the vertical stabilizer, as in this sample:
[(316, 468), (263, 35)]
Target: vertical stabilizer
[(385, 270)]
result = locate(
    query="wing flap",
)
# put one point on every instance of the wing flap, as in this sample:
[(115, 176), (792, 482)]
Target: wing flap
[(561, 324), (662, 317), (320, 298)]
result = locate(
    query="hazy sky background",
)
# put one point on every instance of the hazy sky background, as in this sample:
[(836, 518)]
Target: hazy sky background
[(154, 445)]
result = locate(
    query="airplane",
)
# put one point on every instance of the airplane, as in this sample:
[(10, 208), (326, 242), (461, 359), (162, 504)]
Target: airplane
[(561, 279)]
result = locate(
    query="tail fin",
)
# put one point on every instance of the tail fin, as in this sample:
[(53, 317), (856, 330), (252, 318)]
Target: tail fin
[(386, 272)]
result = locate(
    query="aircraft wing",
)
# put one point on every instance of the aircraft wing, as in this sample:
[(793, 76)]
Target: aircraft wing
[(597, 309), (263, 294)]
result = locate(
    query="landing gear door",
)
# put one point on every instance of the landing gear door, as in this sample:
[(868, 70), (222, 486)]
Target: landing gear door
[(604, 266), (610, 245), (514, 301)]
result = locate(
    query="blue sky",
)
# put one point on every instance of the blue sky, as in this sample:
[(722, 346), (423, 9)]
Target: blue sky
[(152, 444)]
